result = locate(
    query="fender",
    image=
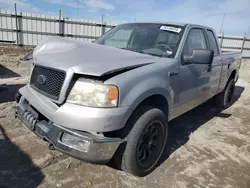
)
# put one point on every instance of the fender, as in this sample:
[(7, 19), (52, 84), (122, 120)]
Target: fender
[(140, 91), (231, 73), (228, 67), (225, 80), (153, 79)]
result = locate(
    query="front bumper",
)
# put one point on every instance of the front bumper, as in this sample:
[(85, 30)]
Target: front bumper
[(100, 150), (78, 117)]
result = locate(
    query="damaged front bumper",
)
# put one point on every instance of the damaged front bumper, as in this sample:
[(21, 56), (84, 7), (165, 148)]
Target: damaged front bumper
[(79, 144)]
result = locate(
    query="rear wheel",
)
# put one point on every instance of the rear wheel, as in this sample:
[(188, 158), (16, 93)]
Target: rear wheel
[(145, 142), (225, 98)]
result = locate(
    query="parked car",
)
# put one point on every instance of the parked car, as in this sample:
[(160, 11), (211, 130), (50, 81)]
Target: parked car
[(112, 99)]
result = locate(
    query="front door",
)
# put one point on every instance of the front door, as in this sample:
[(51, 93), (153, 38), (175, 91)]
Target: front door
[(194, 79)]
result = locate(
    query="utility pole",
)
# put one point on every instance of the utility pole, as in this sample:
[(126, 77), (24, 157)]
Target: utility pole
[(222, 23)]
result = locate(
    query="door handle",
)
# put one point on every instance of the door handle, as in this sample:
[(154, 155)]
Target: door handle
[(173, 73), (209, 69)]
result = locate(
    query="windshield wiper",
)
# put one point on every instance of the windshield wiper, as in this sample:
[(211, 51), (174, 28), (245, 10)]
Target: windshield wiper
[(143, 52), (131, 49), (153, 54)]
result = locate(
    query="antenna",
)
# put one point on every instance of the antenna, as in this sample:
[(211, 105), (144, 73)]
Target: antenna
[(222, 23)]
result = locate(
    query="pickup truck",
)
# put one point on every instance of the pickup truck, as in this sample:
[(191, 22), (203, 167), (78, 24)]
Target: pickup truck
[(112, 99)]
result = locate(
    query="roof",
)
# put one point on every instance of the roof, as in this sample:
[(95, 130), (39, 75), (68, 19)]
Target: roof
[(161, 22), (172, 23)]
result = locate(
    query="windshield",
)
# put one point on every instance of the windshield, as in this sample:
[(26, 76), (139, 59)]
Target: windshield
[(153, 39)]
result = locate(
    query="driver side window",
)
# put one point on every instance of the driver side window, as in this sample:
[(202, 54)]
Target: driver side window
[(195, 40)]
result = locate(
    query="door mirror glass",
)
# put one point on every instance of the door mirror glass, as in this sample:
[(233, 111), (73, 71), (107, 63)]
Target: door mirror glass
[(200, 56)]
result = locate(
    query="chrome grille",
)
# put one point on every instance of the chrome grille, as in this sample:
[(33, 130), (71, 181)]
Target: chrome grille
[(47, 81)]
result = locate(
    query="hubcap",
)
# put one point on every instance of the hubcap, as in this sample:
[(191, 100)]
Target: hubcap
[(150, 144)]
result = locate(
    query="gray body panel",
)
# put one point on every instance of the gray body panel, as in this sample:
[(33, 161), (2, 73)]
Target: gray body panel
[(86, 58), (191, 86), (75, 116)]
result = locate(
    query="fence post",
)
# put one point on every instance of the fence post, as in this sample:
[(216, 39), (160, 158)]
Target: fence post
[(17, 30), (20, 26), (221, 40), (103, 26), (61, 24)]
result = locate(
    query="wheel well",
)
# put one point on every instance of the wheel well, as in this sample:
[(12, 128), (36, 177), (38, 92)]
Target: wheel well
[(157, 101), (233, 74)]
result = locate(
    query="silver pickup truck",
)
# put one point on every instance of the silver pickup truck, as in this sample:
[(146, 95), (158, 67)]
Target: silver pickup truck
[(112, 99)]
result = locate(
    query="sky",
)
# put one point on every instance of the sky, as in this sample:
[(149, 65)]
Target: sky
[(236, 13)]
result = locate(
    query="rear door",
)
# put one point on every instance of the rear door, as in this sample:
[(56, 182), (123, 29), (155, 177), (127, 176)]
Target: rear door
[(217, 62)]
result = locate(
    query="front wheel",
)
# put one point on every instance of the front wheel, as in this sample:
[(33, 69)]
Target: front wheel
[(225, 98), (145, 142)]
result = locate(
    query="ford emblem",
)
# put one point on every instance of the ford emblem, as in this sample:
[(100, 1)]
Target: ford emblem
[(41, 79)]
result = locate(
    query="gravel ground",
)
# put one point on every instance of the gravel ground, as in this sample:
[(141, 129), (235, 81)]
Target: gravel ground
[(206, 147)]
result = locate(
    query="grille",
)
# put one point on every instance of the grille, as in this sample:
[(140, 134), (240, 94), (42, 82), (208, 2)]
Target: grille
[(47, 81), (72, 83)]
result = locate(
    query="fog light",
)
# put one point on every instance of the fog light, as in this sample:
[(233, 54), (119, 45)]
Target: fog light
[(75, 142)]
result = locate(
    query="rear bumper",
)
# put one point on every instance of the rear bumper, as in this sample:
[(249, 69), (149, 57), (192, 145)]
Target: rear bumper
[(99, 150)]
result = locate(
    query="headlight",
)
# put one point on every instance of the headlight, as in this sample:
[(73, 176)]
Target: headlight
[(92, 93)]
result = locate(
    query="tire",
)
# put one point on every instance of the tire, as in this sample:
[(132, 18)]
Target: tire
[(145, 142), (225, 98)]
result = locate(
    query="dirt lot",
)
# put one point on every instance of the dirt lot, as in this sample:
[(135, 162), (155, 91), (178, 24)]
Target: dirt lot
[(206, 147)]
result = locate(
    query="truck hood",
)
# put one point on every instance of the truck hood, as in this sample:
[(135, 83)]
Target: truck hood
[(87, 58)]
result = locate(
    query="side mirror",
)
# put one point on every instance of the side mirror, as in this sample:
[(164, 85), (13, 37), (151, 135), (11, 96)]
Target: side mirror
[(199, 57)]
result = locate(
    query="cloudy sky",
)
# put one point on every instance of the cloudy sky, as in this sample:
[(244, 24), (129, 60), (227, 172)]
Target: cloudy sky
[(207, 12)]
